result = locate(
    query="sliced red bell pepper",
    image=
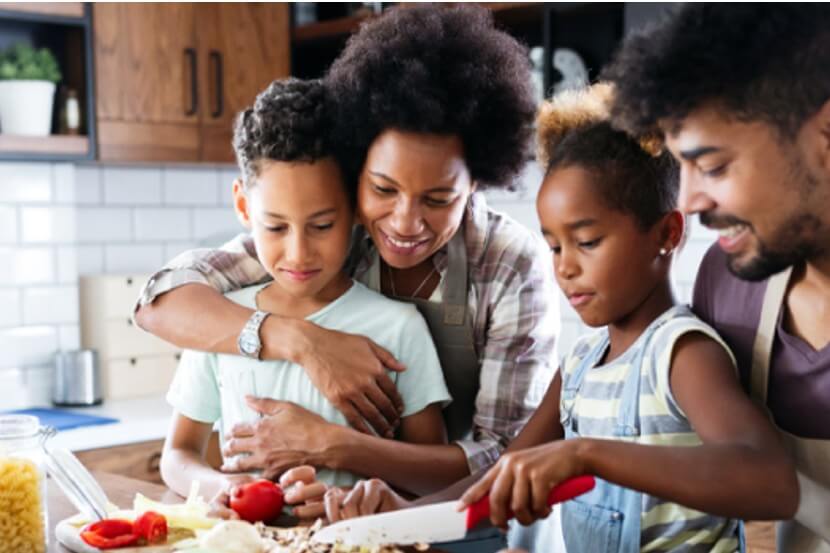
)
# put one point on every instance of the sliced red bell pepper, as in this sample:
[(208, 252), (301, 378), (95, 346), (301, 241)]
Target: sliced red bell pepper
[(151, 526), (109, 533)]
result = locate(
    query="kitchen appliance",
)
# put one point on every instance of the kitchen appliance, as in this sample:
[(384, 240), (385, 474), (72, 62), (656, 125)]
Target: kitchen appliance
[(441, 522), (77, 378)]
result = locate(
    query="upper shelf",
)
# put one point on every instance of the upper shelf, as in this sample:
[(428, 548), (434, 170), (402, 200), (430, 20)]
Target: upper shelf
[(328, 29), (66, 12), (505, 12), (55, 146)]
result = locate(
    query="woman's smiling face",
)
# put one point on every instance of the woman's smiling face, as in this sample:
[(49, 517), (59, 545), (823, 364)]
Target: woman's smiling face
[(412, 193)]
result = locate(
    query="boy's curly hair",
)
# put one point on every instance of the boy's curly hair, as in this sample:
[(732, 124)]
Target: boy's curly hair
[(635, 175), (758, 62), (434, 69), (289, 121)]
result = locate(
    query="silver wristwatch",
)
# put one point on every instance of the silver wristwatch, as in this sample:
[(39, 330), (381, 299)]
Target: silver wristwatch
[(248, 342)]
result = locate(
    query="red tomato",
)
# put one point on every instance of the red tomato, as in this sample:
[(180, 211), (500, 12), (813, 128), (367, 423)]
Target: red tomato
[(151, 526), (256, 501), (109, 533)]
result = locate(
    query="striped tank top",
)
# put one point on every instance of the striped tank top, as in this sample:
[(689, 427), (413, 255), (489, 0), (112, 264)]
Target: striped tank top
[(665, 526)]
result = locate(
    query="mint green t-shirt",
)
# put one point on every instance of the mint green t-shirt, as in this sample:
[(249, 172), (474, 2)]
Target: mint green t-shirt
[(210, 387)]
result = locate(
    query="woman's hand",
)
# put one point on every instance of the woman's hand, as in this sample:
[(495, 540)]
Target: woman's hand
[(520, 482), (367, 497), (350, 371), (287, 436), (305, 493), (220, 503)]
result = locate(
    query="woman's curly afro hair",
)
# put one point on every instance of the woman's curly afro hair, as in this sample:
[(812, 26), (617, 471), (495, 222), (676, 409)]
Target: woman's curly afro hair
[(289, 121), (440, 70)]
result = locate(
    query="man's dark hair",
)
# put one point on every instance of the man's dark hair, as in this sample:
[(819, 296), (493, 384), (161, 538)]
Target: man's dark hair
[(767, 62), (434, 69), (289, 121)]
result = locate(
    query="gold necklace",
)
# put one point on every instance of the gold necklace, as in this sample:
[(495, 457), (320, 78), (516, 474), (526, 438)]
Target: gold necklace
[(418, 289)]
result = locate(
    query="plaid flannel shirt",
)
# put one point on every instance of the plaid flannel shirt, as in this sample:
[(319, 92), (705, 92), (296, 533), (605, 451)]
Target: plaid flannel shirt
[(512, 300)]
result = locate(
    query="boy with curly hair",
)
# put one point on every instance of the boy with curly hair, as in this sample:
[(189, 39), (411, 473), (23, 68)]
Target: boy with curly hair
[(300, 212)]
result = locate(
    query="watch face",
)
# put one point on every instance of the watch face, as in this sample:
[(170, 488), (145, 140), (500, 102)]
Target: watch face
[(248, 343)]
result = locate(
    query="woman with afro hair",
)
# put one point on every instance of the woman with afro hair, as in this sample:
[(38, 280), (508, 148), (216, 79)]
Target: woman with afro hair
[(431, 105)]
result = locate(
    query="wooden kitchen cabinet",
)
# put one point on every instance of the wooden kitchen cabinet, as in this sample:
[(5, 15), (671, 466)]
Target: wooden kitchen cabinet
[(244, 46), (141, 460), (171, 76)]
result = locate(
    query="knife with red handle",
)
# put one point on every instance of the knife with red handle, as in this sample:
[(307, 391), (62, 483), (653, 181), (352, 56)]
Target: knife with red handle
[(436, 523), (573, 487)]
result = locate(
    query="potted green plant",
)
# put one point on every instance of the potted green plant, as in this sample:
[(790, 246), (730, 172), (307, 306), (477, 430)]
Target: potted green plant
[(27, 90)]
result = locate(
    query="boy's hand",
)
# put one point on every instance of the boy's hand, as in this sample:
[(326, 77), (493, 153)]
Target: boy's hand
[(305, 493), (220, 503), (367, 497), (521, 481)]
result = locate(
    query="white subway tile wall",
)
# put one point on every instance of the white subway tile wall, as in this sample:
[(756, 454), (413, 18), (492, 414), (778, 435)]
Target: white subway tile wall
[(60, 220)]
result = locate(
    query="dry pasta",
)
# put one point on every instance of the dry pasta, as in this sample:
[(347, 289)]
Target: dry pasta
[(21, 518)]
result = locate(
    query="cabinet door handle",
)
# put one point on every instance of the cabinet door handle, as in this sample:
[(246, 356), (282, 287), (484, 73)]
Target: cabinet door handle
[(190, 53), (216, 58)]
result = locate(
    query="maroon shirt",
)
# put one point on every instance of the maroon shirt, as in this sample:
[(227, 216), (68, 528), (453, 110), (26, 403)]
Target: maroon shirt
[(799, 384)]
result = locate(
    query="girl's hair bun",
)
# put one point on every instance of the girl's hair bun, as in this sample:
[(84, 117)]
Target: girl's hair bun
[(579, 109)]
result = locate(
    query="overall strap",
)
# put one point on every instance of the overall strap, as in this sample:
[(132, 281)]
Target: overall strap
[(571, 386), (628, 417)]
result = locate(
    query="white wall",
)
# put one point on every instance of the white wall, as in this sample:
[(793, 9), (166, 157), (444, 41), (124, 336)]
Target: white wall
[(59, 221)]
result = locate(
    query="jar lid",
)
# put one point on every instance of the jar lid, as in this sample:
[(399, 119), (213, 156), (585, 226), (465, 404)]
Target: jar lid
[(76, 483), (15, 427)]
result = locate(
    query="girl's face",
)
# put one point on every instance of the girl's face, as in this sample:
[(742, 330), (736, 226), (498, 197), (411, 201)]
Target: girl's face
[(412, 193), (301, 222), (604, 263)]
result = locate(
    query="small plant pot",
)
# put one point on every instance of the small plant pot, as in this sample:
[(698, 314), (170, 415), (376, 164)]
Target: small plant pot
[(26, 107)]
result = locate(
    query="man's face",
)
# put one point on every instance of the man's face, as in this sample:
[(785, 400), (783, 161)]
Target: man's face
[(766, 195)]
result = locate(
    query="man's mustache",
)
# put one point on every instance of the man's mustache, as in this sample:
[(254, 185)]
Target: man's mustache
[(715, 220)]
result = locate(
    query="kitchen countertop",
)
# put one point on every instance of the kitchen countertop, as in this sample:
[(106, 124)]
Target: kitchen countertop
[(121, 491), (146, 419), (139, 420)]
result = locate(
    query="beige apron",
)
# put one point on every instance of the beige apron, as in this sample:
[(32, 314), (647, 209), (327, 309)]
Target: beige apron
[(809, 531), (450, 324)]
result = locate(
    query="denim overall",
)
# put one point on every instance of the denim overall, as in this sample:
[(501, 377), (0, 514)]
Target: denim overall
[(606, 519)]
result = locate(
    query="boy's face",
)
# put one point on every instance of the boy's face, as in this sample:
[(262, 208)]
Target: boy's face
[(603, 262), (766, 194), (301, 222)]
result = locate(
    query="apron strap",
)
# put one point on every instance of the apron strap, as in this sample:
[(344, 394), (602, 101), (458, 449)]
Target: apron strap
[(455, 293), (765, 335)]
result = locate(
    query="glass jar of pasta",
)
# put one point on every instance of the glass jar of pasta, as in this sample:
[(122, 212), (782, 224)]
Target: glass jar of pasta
[(23, 515)]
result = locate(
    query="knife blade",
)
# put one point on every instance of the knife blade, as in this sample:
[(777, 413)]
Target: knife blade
[(439, 522)]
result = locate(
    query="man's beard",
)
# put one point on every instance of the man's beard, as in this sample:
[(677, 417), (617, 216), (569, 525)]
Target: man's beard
[(795, 244), (801, 237)]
